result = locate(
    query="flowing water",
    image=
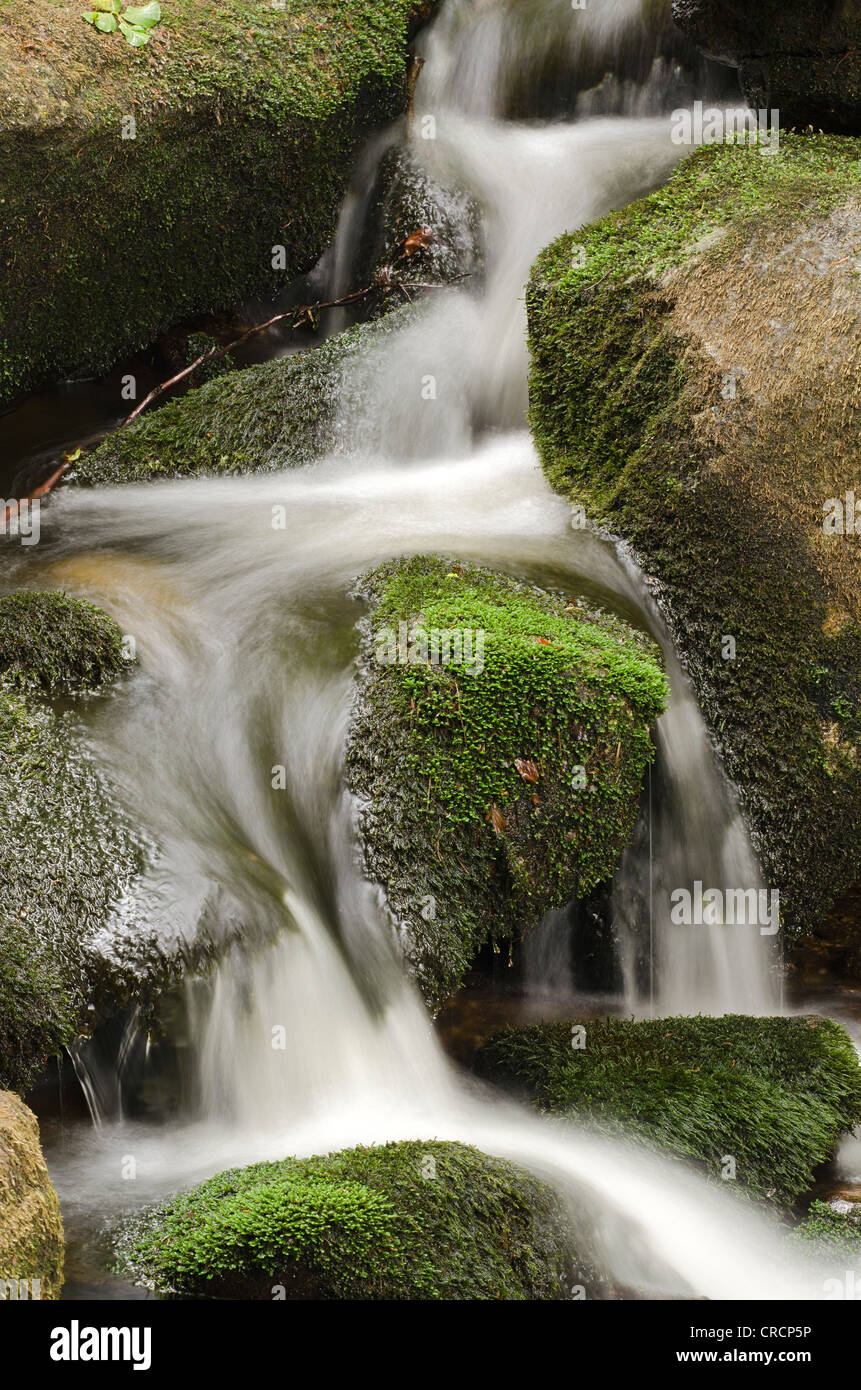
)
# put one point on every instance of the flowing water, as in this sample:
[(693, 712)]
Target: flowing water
[(247, 640)]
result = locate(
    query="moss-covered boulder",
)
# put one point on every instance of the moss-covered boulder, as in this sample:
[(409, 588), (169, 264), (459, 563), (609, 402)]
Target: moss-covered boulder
[(414, 1220), (141, 186), (774, 1095), (498, 746), (279, 414), (68, 852), (56, 644), (695, 384), (31, 1230)]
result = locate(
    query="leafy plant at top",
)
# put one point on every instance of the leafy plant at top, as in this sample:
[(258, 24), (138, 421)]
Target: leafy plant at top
[(134, 22)]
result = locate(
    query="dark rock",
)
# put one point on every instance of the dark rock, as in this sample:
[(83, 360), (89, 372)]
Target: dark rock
[(802, 58)]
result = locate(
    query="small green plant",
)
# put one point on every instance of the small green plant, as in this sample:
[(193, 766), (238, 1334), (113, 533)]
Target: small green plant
[(134, 22)]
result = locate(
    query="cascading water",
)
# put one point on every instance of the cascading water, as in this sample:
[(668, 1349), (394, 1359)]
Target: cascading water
[(310, 1037)]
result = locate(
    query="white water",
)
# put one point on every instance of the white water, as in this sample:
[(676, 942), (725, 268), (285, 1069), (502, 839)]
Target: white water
[(247, 638)]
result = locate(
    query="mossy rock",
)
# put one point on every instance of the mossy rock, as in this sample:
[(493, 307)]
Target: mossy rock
[(247, 121), (416, 1220), (474, 819), (279, 414), (773, 1094), (407, 197), (695, 385), (68, 852), (54, 644), (830, 1231), (31, 1229)]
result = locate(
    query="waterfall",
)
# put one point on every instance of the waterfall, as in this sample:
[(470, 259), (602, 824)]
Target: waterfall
[(310, 1036)]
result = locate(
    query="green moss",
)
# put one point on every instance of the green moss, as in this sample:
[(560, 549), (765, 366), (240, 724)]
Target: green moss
[(415, 1220), (67, 850), (466, 844), (775, 1094), (247, 118), (282, 413), (727, 189), (723, 503), (52, 643), (67, 854), (835, 1232)]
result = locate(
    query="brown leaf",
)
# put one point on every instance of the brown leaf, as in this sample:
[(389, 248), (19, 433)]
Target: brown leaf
[(497, 819), (417, 241), (527, 769)]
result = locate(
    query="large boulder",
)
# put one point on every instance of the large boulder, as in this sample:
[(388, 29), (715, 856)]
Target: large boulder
[(774, 1095), (803, 57), (122, 168), (498, 746), (415, 1220), (31, 1229), (695, 386)]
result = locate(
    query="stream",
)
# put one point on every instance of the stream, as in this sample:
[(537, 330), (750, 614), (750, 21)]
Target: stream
[(247, 641)]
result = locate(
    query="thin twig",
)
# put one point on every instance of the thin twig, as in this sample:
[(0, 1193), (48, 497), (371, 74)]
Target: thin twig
[(301, 313)]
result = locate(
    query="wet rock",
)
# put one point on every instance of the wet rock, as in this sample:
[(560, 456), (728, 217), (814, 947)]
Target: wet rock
[(831, 953), (31, 1229), (54, 644), (406, 198), (498, 746), (802, 58), (672, 396), (68, 852), (279, 414)]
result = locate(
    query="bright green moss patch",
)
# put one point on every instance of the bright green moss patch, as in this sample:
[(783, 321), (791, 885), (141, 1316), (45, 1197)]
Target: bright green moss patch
[(246, 117), (774, 1094), (52, 643), (498, 786), (670, 395), (415, 1220)]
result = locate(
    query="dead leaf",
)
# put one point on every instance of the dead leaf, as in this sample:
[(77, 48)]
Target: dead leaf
[(527, 769), (497, 819), (417, 241)]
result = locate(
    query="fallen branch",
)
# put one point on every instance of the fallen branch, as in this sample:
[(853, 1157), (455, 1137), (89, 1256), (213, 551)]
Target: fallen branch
[(303, 313), (40, 491)]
